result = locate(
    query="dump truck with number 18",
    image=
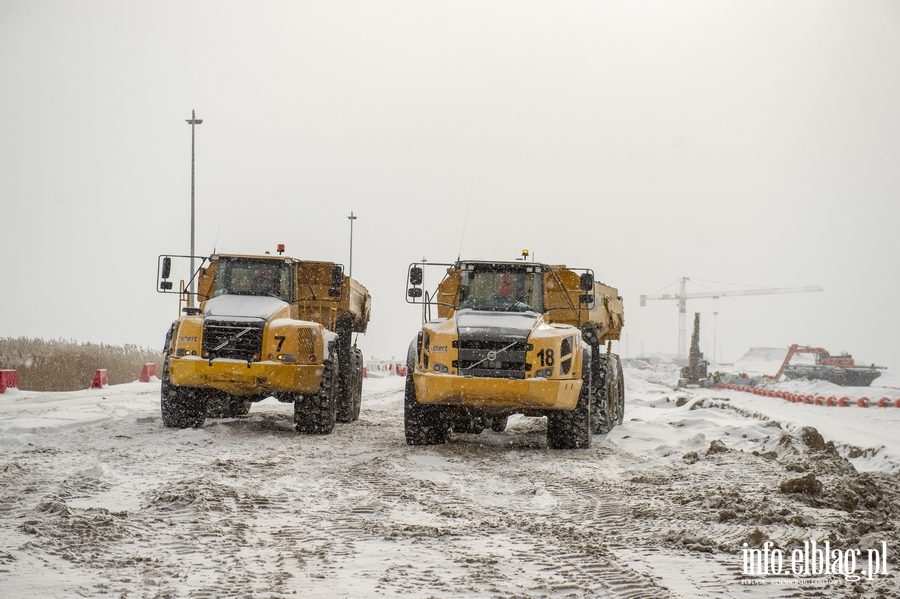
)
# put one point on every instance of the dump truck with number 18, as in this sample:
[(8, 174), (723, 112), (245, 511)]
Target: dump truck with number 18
[(513, 337)]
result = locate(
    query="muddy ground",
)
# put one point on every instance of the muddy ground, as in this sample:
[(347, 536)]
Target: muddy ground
[(245, 507)]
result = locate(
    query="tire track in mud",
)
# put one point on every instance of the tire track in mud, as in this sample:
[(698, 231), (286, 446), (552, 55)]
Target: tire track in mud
[(559, 555)]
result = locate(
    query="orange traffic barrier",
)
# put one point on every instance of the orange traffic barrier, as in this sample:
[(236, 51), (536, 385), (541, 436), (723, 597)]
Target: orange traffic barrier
[(884, 402), (149, 370), (100, 379), (863, 402), (9, 379), (843, 402), (897, 404), (831, 401)]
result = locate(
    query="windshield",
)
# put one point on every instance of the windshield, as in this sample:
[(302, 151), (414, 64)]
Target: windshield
[(501, 289), (253, 277)]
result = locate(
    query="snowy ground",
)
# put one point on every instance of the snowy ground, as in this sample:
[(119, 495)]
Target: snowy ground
[(99, 499)]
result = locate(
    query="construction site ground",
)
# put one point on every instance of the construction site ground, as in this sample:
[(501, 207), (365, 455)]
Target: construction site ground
[(99, 499)]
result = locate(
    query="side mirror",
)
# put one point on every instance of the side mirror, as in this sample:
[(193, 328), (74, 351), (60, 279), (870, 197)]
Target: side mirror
[(337, 275), (167, 267), (586, 283), (334, 292), (415, 276), (414, 292), (586, 298)]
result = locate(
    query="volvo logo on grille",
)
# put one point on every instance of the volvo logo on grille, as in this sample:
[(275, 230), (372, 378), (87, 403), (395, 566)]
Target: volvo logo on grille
[(235, 338), (492, 355)]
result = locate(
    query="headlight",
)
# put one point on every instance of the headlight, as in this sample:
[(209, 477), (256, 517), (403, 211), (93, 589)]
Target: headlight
[(440, 368), (544, 373)]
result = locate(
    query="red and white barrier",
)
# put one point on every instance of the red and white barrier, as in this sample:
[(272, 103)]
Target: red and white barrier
[(384, 369), (818, 400), (9, 379), (101, 379), (148, 371)]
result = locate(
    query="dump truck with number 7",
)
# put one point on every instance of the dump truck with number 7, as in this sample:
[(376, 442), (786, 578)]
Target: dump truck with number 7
[(509, 338), (266, 326)]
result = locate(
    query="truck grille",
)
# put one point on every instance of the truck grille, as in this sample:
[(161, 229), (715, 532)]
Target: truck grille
[(475, 358), (238, 340)]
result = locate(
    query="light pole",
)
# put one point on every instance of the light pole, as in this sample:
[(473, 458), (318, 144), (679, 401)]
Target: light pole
[(352, 218), (192, 121), (715, 330)]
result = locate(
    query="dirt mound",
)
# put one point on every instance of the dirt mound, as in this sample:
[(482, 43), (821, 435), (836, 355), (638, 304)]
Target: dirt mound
[(807, 485), (717, 447), (812, 438)]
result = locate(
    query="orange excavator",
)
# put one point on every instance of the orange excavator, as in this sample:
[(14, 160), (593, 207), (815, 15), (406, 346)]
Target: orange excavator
[(840, 370)]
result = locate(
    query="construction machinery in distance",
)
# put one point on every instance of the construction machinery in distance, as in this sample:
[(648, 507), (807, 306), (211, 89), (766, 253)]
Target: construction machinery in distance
[(695, 373), (682, 298), (840, 370), (513, 337), (266, 326)]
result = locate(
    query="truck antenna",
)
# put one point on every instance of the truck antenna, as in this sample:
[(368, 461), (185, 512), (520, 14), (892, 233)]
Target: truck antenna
[(465, 220), (216, 243)]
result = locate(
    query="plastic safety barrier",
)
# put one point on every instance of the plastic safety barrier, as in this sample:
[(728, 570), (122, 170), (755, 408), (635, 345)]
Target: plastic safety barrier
[(9, 379), (149, 370), (101, 379)]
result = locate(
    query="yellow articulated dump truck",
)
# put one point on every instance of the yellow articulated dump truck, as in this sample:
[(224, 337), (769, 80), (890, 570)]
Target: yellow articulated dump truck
[(513, 337), (265, 326)]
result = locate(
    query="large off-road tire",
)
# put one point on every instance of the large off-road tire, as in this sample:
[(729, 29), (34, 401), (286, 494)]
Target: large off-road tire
[(350, 388), (572, 429), (603, 404), (466, 422), (222, 405), (425, 425), (358, 385), (620, 399), (181, 407), (344, 406), (315, 414), (498, 423), (349, 377)]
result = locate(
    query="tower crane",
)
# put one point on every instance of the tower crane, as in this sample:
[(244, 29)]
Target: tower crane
[(682, 298)]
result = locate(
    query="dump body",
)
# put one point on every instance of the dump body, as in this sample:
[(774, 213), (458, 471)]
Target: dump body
[(515, 337), (270, 326)]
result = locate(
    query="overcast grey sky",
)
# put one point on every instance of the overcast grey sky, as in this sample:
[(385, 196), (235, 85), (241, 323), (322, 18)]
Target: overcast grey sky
[(753, 143)]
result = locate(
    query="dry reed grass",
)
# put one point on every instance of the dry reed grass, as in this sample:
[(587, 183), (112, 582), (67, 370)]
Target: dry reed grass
[(68, 366)]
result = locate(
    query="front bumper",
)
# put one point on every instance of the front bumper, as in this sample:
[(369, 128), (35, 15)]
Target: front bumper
[(237, 377), (452, 390)]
